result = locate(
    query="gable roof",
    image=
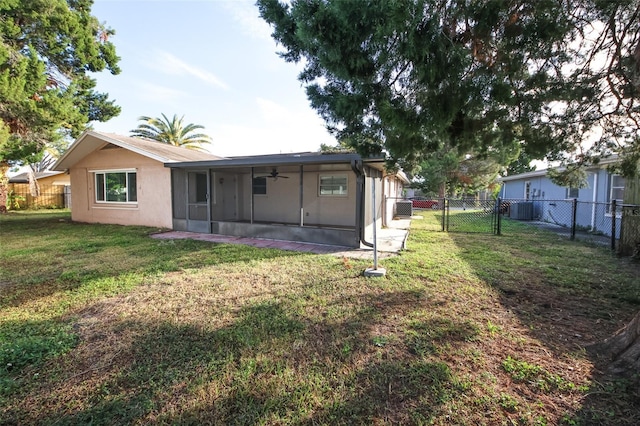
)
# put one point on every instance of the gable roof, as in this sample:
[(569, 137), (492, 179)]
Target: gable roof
[(91, 141), (24, 177)]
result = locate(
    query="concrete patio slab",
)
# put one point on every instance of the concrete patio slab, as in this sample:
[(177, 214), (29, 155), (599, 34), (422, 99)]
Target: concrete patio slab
[(391, 241)]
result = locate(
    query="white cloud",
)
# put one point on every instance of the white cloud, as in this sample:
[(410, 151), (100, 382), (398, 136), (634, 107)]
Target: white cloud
[(156, 93), (275, 129), (246, 14), (173, 65)]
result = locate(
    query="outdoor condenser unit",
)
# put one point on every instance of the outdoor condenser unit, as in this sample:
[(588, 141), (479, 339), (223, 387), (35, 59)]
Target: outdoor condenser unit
[(404, 208), (521, 211)]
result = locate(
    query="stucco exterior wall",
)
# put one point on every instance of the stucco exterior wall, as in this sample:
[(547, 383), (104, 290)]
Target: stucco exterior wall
[(153, 207), (281, 204), (392, 192)]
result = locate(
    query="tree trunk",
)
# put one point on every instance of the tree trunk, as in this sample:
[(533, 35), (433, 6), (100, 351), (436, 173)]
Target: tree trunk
[(4, 186), (622, 349)]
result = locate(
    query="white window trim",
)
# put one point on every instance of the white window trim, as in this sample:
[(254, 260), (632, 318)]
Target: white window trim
[(610, 199), (334, 175), (568, 195), (111, 203)]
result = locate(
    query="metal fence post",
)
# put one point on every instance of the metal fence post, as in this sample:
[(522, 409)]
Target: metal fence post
[(446, 202), (499, 218), (444, 212), (574, 211), (613, 224)]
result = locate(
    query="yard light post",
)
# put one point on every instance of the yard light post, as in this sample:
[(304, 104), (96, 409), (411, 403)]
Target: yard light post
[(375, 271)]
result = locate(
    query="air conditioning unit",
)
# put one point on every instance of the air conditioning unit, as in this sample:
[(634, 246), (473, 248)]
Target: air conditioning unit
[(521, 211), (404, 208)]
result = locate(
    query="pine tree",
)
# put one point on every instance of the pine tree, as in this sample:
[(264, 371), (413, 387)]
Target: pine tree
[(47, 50), (409, 77)]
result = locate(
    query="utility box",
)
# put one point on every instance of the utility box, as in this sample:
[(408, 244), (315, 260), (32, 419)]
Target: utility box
[(404, 208), (521, 211)]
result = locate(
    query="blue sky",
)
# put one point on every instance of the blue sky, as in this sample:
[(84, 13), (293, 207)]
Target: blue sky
[(214, 62)]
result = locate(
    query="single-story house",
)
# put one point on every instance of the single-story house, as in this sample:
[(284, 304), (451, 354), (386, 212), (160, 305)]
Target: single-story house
[(549, 202), (312, 197), (53, 186)]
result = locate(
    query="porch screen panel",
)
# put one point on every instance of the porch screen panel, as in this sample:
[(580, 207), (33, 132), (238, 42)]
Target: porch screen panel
[(179, 199), (198, 194), (197, 212)]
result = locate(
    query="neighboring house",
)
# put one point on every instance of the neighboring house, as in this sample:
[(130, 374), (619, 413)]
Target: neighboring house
[(549, 202), (53, 187), (313, 197)]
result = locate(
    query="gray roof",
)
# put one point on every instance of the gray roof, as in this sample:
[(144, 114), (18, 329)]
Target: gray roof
[(91, 141), (24, 177), (279, 160), (602, 162)]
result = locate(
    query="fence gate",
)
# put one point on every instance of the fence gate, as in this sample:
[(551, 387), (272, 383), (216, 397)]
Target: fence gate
[(470, 215)]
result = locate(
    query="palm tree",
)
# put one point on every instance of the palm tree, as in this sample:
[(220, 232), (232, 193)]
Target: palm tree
[(173, 132)]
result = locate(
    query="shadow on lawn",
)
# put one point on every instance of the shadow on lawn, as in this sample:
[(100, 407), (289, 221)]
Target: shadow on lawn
[(82, 262), (566, 302), (85, 254), (270, 364)]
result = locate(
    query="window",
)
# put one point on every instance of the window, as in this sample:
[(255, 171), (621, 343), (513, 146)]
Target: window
[(615, 192), (259, 186), (572, 192), (333, 185), (116, 187), (617, 184)]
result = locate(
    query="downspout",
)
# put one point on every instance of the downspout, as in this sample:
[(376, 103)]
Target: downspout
[(301, 195), (358, 169), (251, 206), (594, 200)]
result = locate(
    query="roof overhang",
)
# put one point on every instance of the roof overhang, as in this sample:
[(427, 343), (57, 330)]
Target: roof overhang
[(91, 141), (279, 160)]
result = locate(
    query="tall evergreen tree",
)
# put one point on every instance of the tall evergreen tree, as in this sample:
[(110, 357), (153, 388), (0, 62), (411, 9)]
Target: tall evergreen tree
[(173, 132), (410, 77), (47, 50)]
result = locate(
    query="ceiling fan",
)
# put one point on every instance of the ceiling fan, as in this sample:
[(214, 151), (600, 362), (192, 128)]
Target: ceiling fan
[(274, 175)]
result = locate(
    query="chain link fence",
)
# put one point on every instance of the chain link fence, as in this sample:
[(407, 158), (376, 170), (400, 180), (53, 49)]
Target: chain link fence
[(610, 224)]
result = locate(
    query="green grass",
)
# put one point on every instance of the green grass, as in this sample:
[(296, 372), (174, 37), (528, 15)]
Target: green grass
[(102, 324)]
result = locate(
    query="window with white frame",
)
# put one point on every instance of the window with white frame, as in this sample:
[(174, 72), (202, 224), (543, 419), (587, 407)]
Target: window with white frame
[(331, 185), (616, 189), (572, 192), (116, 186)]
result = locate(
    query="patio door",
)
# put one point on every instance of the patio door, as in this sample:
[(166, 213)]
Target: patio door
[(198, 195)]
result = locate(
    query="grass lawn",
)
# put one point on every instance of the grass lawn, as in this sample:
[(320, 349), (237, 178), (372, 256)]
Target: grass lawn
[(101, 324)]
